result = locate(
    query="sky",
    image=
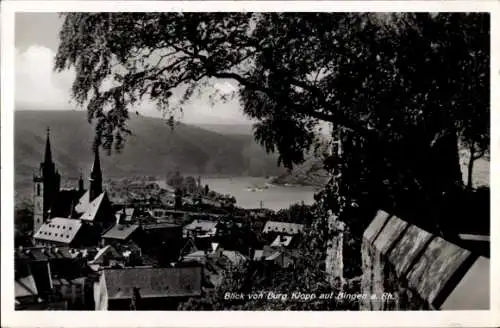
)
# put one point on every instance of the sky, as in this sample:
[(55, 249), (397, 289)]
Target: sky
[(38, 87)]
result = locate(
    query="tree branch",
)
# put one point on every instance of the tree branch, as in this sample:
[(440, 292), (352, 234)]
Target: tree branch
[(346, 123)]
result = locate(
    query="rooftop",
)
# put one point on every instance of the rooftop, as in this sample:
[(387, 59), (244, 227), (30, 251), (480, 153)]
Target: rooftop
[(153, 282), (59, 230), (93, 208), (120, 231), (204, 225), (42, 253), (25, 286), (160, 225), (283, 227), (83, 203), (282, 241), (258, 255), (98, 258)]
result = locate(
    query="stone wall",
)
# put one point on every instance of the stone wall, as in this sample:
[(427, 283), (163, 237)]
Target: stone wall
[(334, 264), (407, 268)]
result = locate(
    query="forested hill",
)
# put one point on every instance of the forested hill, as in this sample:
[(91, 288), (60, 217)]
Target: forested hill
[(153, 149)]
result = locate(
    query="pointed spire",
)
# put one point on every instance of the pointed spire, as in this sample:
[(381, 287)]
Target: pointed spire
[(80, 183), (96, 168), (95, 176), (48, 151)]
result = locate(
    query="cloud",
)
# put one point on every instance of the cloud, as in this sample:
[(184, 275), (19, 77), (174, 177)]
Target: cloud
[(38, 87)]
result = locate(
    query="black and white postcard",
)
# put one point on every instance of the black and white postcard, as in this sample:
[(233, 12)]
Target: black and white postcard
[(322, 163)]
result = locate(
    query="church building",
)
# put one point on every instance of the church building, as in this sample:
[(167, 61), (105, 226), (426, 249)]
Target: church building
[(75, 217)]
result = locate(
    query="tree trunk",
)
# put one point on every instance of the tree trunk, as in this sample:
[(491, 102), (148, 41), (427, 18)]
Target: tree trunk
[(470, 166)]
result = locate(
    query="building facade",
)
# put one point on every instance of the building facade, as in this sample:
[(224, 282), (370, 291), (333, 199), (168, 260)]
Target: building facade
[(71, 218)]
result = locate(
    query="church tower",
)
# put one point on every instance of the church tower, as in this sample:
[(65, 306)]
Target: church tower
[(81, 187), (95, 177), (45, 187)]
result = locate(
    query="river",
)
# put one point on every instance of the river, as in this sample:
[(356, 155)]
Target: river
[(274, 197)]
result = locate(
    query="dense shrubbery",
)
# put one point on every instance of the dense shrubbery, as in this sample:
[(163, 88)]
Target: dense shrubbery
[(23, 224)]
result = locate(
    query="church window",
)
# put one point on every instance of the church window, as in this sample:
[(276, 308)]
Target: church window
[(38, 189)]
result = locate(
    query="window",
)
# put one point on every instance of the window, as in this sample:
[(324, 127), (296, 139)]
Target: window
[(38, 189), (69, 228)]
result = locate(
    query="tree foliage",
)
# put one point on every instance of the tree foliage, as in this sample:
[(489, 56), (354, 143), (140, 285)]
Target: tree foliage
[(401, 89), (23, 224)]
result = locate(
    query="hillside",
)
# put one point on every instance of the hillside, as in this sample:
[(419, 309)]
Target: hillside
[(234, 129), (153, 149), (311, 172)]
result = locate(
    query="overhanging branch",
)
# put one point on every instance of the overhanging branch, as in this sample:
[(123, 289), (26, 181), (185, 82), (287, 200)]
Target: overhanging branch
[(342, 121)]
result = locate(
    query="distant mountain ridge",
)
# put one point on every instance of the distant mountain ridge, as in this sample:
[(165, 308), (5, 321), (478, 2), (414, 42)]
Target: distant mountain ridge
[(234, 129), (153, 149)]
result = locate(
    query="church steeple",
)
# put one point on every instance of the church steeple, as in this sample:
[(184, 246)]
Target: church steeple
[(95, 176), (80, 183), (48, 151), (46, 186)]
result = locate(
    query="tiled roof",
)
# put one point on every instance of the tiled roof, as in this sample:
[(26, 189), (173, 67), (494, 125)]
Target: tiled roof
[(120, 231), (83, 203), (282, 241), (153, 282), (25, 286), (105, 250), (93, 208), (208, 226), (59, 230), (283, 227)]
